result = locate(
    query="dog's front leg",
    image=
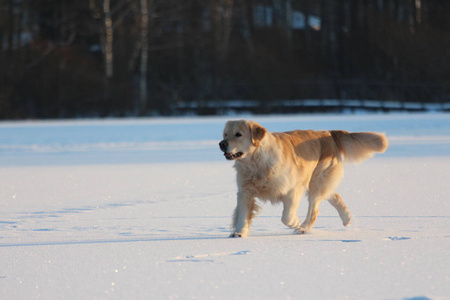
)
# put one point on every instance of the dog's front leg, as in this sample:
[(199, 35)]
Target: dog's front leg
[(291, 202), (243, 214)]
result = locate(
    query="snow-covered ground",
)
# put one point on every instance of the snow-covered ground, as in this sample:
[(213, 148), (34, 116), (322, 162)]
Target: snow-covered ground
[(140, 209)]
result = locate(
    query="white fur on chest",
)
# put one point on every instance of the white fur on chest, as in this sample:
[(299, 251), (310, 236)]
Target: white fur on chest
[(264, 176)]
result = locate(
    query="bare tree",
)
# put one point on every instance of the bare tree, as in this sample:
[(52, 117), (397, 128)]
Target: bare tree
[(143, 67), (2, 24), (247, 22), (222, 17), (108, 39), (288, 28)]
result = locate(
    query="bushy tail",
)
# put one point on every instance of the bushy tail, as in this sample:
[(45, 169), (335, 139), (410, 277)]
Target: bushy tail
[(359, 146)]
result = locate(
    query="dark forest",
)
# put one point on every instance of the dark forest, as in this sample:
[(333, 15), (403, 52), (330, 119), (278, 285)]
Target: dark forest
[(99, 58)]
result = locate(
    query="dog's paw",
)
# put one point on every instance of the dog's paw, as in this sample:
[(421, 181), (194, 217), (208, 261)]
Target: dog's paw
[(238, 235), (346, 217), (347, 221), (301, 230)]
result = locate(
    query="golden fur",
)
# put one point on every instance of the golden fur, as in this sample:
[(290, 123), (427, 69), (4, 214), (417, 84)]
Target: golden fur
[(280, 167)]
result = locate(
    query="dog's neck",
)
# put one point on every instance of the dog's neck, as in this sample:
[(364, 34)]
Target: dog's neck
[(263, 155)]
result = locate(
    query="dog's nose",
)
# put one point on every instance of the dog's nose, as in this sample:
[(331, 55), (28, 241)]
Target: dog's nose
[(223, 145)]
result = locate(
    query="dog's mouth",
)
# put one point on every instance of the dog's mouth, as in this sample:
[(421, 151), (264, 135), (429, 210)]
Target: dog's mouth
[(233, 156)]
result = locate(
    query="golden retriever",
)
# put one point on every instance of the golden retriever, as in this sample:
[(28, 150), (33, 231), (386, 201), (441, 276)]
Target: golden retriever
[(280, 167)]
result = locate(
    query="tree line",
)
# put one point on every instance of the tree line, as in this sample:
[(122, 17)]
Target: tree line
[(76, 58)]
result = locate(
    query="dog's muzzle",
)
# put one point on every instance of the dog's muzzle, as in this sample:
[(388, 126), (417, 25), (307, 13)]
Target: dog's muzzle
[(229, 156)]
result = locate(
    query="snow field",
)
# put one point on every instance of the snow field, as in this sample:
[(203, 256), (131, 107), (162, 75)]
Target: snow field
[(140, 209)]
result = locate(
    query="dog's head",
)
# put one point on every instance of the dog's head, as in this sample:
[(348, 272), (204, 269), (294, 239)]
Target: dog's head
[(241, 138)]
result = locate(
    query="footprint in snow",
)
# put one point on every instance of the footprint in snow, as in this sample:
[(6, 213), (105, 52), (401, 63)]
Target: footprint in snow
[(396, 238), (205, 257)]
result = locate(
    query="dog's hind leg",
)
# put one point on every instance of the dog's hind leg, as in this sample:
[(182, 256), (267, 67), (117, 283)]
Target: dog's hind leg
[(311, 216), (325, 179), (344, 213)]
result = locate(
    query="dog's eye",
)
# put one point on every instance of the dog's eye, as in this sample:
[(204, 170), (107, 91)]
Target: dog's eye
[(238, 134)]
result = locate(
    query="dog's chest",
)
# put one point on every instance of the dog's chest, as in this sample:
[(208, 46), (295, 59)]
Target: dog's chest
[(266, 183)]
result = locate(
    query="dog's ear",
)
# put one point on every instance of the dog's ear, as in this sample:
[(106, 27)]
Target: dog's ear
[(258, 133)]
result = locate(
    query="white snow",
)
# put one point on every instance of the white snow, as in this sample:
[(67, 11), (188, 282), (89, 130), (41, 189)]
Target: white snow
[(140, 209)]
